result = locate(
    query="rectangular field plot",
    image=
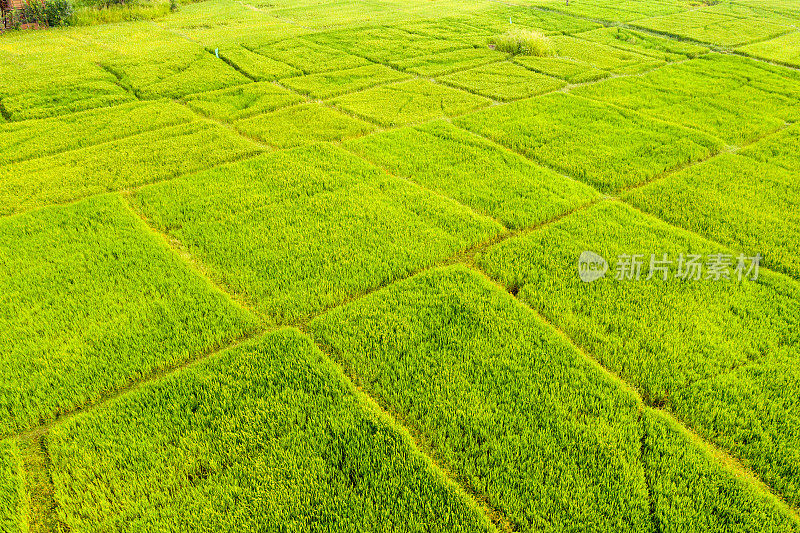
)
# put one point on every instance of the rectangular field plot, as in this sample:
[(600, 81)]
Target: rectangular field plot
[(734, 200), (303, 124), (257, 66), (602, 57), (671, 338), (447, 62), (327, 84), (385, 44), (731, 99), (614, 10), (38, 138), (408, 102), (93, 301), (309, 57), (646, 44), (564, 68), (782, 149), (151, 156), (499, 18), (503, 81), (506, 404), (242, 101), (475, 172), (13, 499), (599, 144), (784, 49), (265, 436), (299, 231)]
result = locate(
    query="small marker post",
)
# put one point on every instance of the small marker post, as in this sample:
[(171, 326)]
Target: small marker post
[(216, 52)]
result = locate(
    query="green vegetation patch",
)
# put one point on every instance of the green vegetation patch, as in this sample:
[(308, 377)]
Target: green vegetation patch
[(327, 84), (242, 101), (784, 49), (450, 29), (731, 99), (93, 301), (409, 101), (309, 57), (567, 69), (643, 43), (503, 81), (499, 18), (145, 158), (13, 497), (720, 354), (735, 200), (38, 138), (691, 491), (303, 124), (257, 66), (447, 62), (385, 44), (302, 230), (602, 57), (779, 149), (504, 402), (475, 172), (267, 435), (604, 146)]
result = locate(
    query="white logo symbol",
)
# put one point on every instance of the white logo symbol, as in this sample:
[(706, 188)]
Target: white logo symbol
[(591, 267)]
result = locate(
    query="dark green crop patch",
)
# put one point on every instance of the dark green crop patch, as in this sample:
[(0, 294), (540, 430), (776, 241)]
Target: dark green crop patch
[(145, 158), (503, 81), (408, 102), (734, 200), (257, 66), (447, 62), (303, 124), (242, 101), (680, 342), (309, 57), (606, 147), (299, 231), (269, 435), (475, 172), (93, 300)]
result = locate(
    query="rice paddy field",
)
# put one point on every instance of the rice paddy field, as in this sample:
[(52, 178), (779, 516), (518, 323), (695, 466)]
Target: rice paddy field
[(403, 265)]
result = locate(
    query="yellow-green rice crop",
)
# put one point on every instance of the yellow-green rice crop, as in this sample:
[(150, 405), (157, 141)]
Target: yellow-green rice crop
[(242, 101), (13, 499), (327, 84), (606, 147), (409, 101), (447, 62), (475, 172), (302, 230), (524, 42), (503, 81), (144, 158), (303, 124), (267, 436), (93, 301)]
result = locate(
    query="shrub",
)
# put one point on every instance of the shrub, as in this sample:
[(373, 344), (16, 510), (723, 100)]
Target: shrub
[(58, 12), (525, 42)]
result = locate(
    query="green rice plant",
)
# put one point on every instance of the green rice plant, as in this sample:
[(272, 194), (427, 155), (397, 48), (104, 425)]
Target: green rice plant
[(618, 11), (303, 124), (266, 436), (735, 200), (299, 231), (570, 70), (146, 158), (601, 145), (524, 42), (743, 102), (38, 138), (691, 491), (784, 49), (644, 43), (309, 57), (503, 81), (109, 305), (327, 84), (778, 149), (447, 62), (242, 101), (602, 57), (408, 102), (504, 402), (507, 405), (257, 66), (13, 497), (721, 355), (499, 18), (114, 13), (449, 29), (475, 172), (385, 44)]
